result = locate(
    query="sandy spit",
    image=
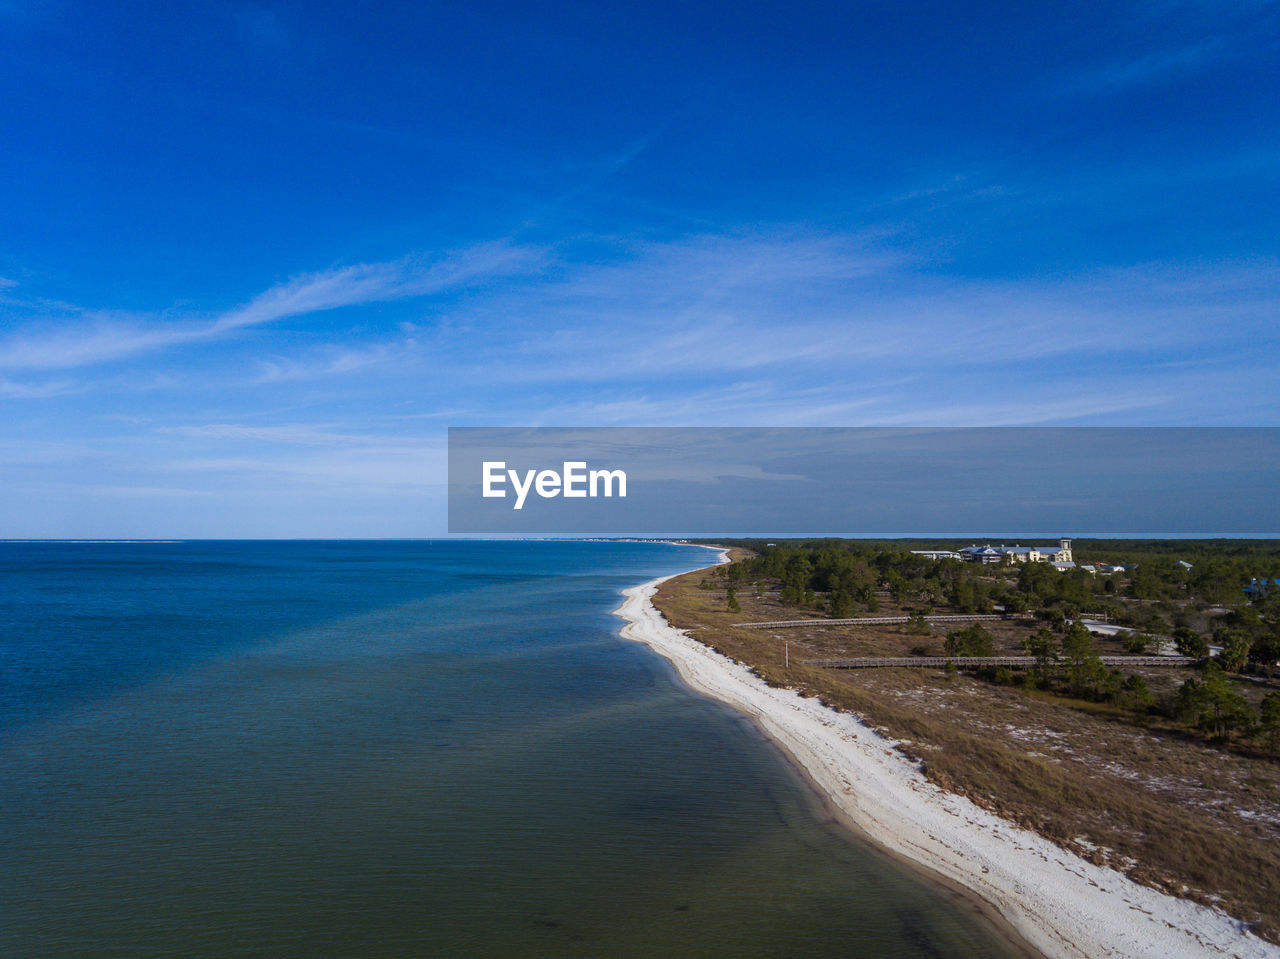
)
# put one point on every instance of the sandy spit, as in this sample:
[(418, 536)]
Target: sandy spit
[(1060, 904)]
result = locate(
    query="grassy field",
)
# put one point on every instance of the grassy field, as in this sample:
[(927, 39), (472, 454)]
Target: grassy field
[(1137, 793)]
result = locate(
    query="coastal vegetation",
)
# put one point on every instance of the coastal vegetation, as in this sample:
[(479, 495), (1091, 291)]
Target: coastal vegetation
[(1194, 606), (1170, 775)]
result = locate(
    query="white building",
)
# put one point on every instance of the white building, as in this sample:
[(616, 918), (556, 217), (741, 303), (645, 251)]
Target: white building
[(1059, 556)]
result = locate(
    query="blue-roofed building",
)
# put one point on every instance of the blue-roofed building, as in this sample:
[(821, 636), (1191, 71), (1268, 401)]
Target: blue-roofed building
[(1261, 587), (1059, 556), (987, 555)]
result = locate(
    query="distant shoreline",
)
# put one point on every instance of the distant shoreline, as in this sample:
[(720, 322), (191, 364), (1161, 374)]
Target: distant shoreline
[(1044, 899)]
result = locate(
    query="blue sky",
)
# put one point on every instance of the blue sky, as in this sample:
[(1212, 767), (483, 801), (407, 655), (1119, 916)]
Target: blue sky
[(255, 258)]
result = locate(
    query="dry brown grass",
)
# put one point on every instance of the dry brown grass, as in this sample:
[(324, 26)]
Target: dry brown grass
[(1145, 798)]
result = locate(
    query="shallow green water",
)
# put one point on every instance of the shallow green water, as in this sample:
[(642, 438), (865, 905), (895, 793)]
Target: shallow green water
[(395, 750)]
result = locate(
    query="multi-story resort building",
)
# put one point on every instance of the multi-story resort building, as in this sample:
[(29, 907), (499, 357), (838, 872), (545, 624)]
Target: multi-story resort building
[(1058, 556)]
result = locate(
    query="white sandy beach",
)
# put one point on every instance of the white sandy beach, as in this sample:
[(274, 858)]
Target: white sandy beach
[(1059, 903)]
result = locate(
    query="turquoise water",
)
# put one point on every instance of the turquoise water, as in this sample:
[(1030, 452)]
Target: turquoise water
[(400, 750)]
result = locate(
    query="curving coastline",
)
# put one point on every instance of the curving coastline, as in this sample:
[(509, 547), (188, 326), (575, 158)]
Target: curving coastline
[(1056, 902)]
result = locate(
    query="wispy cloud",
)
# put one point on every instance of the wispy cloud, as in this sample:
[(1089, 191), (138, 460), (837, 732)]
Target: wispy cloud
[(96, 337), (1154, 67), (393, 466), (725, 306), (379, 282), (329, 360), (771, 326), (293, 434), (30, 391)]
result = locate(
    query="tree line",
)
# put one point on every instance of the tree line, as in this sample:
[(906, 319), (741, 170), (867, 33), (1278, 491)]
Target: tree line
[(846, 578), (1156, 597)]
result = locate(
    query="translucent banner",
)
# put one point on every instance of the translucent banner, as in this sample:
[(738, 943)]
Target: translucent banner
[(865, 482)]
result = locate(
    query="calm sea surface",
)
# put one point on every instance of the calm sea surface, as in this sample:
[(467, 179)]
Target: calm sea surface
[(353, 749)]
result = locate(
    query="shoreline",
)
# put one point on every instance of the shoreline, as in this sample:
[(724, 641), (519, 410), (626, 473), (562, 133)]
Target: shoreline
[(1043, 898)]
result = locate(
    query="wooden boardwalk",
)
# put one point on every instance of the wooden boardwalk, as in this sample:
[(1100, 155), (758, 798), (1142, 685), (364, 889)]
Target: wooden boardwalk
[(874, 621), (977, 662)]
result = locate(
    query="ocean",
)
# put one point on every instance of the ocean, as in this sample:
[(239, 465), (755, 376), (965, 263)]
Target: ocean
[(401, 749)]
